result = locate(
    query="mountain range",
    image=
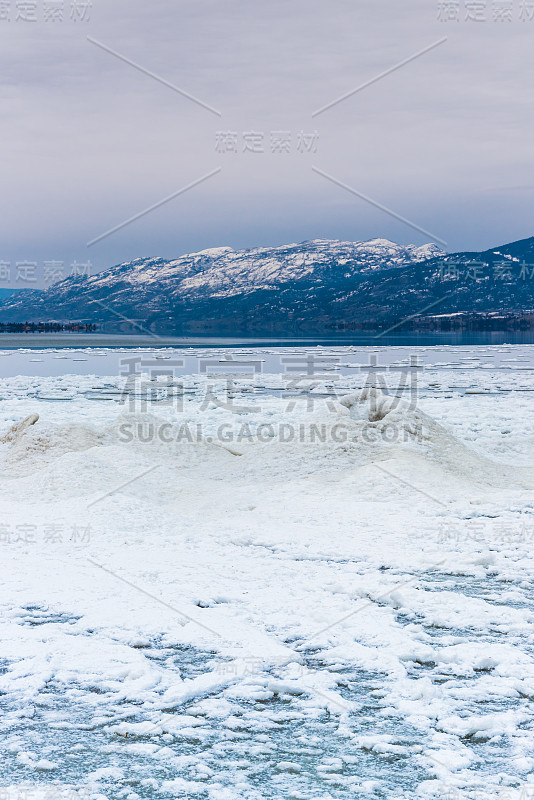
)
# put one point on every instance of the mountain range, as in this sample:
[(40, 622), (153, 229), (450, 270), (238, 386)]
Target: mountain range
[(312, 286)]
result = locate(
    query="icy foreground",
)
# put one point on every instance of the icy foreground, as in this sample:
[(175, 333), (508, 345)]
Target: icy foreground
[(224, 615)]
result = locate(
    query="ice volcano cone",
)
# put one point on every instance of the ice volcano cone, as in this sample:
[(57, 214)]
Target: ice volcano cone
[(401, 431), (371, 404), (19, 428), (26, 447), (373, 407)]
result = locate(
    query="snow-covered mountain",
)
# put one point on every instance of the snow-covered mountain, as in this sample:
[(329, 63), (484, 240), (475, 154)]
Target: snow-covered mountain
[(155, 287), (223, 272), (311, 286)]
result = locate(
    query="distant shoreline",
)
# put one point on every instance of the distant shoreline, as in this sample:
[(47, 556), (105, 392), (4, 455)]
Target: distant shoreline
[(347, 339), (454, 323)]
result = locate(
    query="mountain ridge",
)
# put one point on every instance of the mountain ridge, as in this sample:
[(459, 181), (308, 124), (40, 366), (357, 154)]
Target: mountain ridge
[(317, 284)]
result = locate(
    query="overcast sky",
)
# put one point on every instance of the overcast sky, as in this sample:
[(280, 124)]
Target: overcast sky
[(88, 141)]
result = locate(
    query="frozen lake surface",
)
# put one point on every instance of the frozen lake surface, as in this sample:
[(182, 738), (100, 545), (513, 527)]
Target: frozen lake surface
[(262, 573)]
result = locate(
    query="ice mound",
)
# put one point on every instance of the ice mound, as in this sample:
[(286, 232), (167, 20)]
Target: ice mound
[(361, 428), (371, 404), (18, 429), (396, 426), (28, 444)]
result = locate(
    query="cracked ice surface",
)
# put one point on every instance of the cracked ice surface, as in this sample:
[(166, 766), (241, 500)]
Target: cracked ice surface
[(308, 619)]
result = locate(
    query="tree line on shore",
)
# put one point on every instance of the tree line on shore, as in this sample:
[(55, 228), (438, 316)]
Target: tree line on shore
[(47, 327)]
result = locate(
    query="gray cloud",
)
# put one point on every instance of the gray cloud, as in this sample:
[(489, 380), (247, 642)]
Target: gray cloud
[(88, 141)]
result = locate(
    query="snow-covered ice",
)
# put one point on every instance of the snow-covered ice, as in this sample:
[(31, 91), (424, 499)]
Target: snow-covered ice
[(322, 593)]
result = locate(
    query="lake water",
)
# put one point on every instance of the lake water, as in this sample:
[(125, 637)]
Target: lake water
[(311, 359), (72, 354), (10, 341)]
